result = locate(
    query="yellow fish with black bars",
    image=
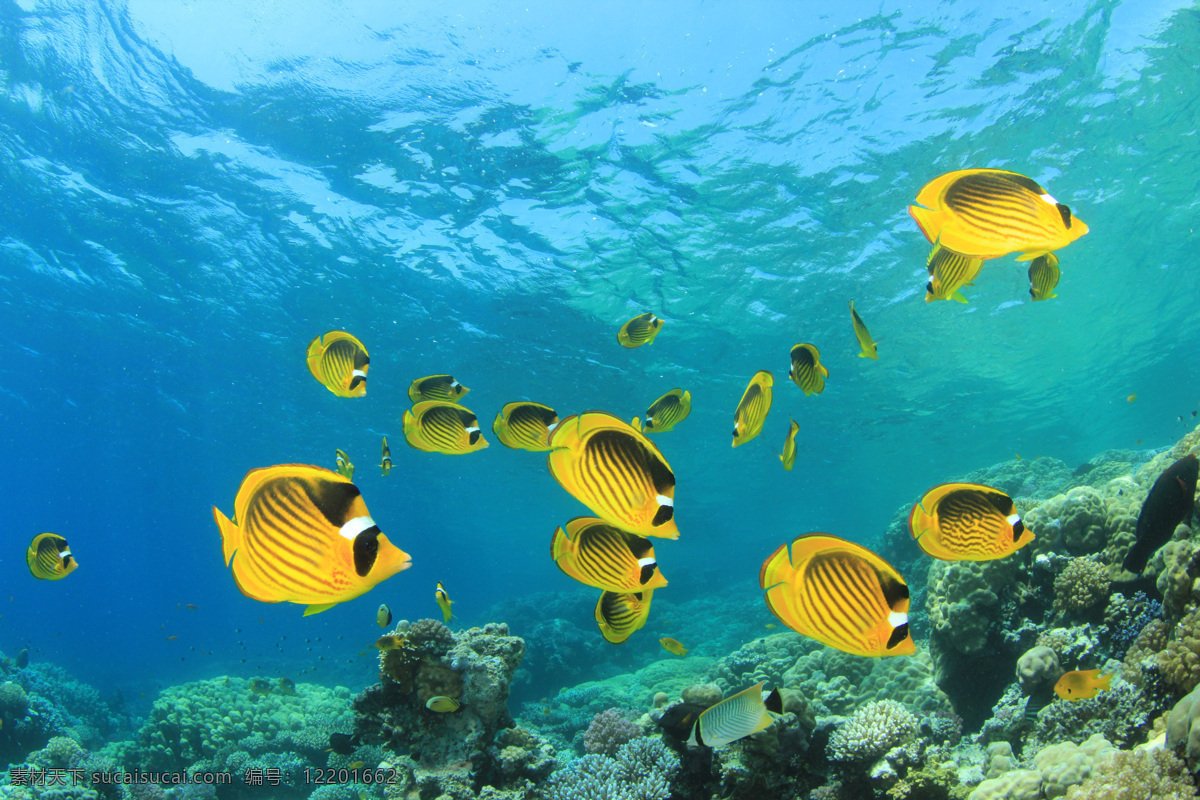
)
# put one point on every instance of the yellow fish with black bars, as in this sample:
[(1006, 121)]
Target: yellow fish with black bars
[(989, 213), (752, 411), (302, 534), (385, 462), (666, 412), (807, 371), (948, 272), (49, 557), (616, 471), (439, 426), (339, 361), (866, 344), (444, 602), (524, 425), (619, 615), (840, 594), (967, 522), (598, 554), (639, 331), (436, 387), (1044, 275), (788, 456), (345, 467), (442, 704)]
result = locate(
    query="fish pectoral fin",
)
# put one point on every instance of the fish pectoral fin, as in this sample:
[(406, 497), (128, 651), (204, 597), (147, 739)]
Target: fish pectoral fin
[(1032, 254), (958, 296), (317, 608)]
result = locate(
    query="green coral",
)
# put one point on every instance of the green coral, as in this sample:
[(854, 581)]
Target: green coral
[(1137, 775), (962, 601)]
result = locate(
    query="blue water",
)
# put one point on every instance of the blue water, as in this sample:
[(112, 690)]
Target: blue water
[(192, 191)]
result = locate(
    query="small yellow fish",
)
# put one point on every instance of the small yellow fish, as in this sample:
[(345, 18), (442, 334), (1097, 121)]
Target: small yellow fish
[(261, 686), (49, 557), (673, 646), (391, 642), (1017, 456), (525, 426), (807, 371), (949, 271), (770, 626), (383, 615), (1131, 398), (357, 764), (788, 456), (668, 411), (865, 342), (436, 387), (753, 408), (344, 465), (442, 705), (444, 602), (339, 361), (639, 331), (1044, 275), (439, 426), (1082, 684), (385, 464)]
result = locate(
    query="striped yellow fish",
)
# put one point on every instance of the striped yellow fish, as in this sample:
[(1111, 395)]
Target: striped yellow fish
[(442, 598), (736, 717), (302, 534), (615, 471), (967, 522), (807, 371), (595, 553), (442, 705), (668, 411), (839, 593), (385, 462), (525, 426), (619, 615), (345, 467), (866, 344), (752, 411), (49, 557), (639, 331), (340, 362), (988, 213), (788, 456), (948, 272), (439, 426), (436, 387), (1043, 277)]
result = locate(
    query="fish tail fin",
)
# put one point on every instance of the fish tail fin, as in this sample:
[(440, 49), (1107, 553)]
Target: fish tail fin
[(1104, 681), (231, 535)]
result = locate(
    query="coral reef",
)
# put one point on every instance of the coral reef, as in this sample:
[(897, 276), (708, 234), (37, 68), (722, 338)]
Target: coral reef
[(639, 770), (873, 730), (1082, 584), (1137, 775), (476, 671), (1183, 726), (1038, 667), (608, 731)]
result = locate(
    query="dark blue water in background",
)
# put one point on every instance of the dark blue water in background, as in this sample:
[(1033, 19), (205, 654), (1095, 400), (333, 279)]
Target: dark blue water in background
[(192, 191)]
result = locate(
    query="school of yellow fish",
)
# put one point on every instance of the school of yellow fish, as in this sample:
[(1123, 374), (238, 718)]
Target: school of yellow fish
[(303, 534)]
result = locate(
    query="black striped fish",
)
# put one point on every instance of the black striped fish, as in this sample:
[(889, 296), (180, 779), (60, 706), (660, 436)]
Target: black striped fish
[(988, 213), (442, 704), (639, 331), (345, 467), (616, 472), (807, 371), (967, 522), (839, 593), (667, 411), (525, 426), (866, 344), (436, 387), (619, 615), (595, 553), (302, 534), (49, 557), (736, 717), (948, 272), (752, 411), (788, 456), (340, 362), (438, 426), (1043, 277), (385, 463)]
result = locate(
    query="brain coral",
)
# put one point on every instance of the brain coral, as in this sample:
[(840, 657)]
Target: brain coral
[(873, 730)]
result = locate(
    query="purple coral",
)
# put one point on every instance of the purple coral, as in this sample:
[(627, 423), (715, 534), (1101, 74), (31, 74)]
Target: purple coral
[(609, 730)]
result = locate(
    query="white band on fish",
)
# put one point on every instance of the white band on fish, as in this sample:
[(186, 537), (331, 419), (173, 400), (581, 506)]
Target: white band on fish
[(1013, 519), (896, 619), (663, 500), (358, 373), (646, 562), (354, 527), (473, 429)]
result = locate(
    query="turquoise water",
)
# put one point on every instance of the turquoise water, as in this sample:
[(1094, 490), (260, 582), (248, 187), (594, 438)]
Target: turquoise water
[(191, 192)]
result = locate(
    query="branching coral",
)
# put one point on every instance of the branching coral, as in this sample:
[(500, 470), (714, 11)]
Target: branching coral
[(873, 730), (1137, 775), (641, 770), (608, 731), (1082, 584)]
